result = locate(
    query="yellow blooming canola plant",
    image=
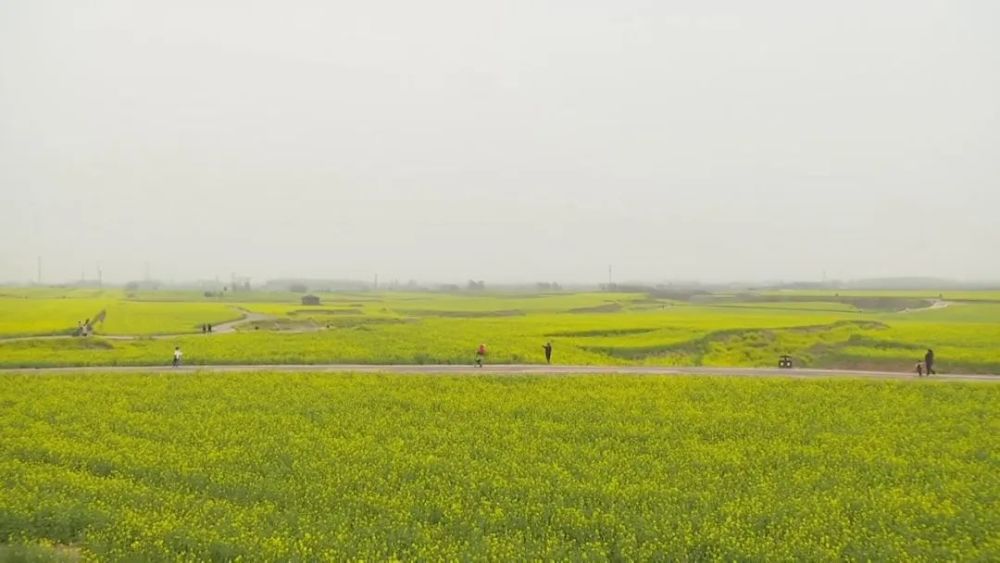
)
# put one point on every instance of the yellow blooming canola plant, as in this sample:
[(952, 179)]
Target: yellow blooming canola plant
[(855, 330), (309, 467)]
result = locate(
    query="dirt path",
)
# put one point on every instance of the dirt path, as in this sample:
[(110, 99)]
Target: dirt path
[(937, 304), (248, 317), (251, 317), (513, 369)]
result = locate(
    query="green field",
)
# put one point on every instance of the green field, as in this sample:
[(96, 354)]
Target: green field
[(860, 330), (320, 467)]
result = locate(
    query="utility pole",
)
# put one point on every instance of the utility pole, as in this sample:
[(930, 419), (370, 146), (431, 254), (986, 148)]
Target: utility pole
[(100, 276), (610, 283)]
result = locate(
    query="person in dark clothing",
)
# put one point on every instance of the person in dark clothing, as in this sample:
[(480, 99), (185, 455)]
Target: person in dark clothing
[(548, 352), (929, 362)]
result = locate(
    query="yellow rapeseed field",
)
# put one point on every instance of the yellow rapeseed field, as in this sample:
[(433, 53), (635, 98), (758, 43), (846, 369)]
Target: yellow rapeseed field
[(308, 467)]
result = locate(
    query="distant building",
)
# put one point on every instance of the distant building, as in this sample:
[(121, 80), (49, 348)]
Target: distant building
[(310, 300)]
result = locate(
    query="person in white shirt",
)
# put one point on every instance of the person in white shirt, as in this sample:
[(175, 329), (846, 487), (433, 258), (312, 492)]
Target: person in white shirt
[(177, 356)]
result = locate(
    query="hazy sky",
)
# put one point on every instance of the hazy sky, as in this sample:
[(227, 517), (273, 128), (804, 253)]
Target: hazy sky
[(505, 141)]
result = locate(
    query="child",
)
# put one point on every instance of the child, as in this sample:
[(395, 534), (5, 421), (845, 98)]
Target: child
[(920, 369)]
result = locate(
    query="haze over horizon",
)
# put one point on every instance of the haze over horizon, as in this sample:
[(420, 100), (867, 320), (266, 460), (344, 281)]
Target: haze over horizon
[(509, 142)]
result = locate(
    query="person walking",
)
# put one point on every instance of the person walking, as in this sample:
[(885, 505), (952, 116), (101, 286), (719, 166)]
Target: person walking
[(480, 355), (177, 356), (548, 352), (929, 362)]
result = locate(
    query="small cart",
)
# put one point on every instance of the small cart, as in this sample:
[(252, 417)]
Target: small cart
[(785, 362)]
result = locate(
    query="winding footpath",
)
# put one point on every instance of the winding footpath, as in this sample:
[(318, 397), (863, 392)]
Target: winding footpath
[(221, 328), (248, 317), (252, 317)]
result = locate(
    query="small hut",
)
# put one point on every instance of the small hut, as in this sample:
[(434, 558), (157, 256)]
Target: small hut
[(310, 300)]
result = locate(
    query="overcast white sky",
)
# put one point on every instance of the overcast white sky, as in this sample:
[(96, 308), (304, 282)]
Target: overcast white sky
[(505, 141)]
